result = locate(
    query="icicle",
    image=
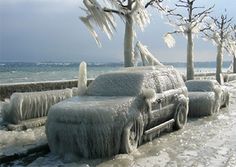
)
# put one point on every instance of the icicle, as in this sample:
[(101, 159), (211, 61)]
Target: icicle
[(140, 14), (104, 20), (169, 40), (82, 80), (85, 20)]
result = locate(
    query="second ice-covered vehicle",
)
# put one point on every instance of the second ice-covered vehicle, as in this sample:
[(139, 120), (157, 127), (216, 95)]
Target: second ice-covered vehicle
[(206, 97), (118, 110)]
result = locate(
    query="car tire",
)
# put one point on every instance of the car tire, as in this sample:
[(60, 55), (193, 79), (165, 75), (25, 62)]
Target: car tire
[(130, 138), (180, 117)]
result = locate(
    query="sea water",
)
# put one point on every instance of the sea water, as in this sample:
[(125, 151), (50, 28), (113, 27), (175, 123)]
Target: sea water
[(33, 72)]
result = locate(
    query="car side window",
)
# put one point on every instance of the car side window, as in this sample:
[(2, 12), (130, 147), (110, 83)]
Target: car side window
[(157, 83), (165, 83)]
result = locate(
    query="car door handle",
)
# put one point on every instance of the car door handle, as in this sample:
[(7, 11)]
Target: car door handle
[(160, 100)]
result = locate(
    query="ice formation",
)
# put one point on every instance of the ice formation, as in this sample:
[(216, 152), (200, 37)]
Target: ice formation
[(204, 97), (103, 17), (82, 79), (96, 14), (201, 104), (140, 14), (93, 125), (23, 106), (147, 57), (89, 126), (150, 95)]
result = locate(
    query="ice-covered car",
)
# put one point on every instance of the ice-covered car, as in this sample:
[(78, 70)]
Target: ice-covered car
[(118, 111), (206, 97)]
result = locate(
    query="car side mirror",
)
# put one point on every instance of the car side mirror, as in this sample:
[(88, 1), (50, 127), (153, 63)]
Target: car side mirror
[(149, 94)]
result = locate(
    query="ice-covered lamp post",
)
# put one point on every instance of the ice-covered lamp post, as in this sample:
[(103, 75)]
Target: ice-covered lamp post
[(188, 23), (132, 12)]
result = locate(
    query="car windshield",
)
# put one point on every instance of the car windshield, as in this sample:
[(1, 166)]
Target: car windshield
[(116, 84)]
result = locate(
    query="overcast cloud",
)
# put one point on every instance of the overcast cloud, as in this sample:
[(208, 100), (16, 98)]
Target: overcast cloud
[(50, 30)]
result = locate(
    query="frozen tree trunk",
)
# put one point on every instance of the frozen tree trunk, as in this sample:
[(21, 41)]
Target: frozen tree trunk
[(219, 61), (234, 64), (128, 42), (190, 65)]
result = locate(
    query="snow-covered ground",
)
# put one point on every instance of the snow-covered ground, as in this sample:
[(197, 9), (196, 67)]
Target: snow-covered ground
[(208, 141)]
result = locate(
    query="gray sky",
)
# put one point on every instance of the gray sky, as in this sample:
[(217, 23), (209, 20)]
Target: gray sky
[(50, 30)]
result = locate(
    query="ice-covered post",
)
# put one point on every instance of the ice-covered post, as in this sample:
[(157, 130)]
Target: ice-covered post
[(188, 24), (219, 32), (133, 12), (82, 79)]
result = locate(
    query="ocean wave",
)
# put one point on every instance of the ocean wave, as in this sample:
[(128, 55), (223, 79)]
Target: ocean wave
[(54, 64)]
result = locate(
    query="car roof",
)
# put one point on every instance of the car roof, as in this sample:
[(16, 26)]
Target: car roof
[(143, 70)]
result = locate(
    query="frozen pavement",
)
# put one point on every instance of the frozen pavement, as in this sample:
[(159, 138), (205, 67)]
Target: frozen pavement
[(209, 141)]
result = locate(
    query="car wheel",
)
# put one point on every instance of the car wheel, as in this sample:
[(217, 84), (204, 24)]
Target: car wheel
[(130, 138), (180, 117)]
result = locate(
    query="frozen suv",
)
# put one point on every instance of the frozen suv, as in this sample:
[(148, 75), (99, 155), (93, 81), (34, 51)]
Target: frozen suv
[(118, 111)]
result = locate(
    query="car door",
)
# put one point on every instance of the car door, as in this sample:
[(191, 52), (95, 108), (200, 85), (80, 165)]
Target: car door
[(162, 108)]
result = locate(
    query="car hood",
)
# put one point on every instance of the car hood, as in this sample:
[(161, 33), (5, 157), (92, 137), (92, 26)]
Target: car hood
[(94, 109)]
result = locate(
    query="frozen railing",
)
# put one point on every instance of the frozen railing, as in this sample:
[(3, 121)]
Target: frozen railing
[(6, 90), (24, 106)]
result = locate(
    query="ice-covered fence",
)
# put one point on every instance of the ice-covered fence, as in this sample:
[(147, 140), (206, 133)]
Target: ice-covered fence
[(24, 106)]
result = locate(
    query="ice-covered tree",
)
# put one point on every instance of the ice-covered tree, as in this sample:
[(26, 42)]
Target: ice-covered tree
[(219, 32), (231, 46), (132, 12), (187, 19)]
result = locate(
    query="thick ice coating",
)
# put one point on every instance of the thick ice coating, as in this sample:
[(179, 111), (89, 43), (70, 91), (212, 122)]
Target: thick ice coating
[(204, 97), (89, 126), (23, 106), (82, 79), (93, 125)]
